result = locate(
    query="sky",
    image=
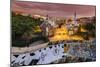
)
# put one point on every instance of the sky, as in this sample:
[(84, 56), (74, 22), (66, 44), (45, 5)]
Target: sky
[(52, 9)]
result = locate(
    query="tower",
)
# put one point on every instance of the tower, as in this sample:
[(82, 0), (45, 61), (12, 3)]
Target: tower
[(47, 17), (75, 22)]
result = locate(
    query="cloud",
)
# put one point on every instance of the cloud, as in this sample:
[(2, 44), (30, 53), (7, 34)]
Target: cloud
[(53, 9)]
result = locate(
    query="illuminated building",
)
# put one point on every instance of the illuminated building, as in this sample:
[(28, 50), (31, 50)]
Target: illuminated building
[(64, 32)]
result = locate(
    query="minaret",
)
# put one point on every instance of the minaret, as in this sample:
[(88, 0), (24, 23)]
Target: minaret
[(75, 22), (47, 17), (47, 30)]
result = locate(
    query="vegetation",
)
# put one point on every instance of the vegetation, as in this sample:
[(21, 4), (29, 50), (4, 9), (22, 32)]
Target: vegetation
[(24, 29), (91, 29), (23, 24)]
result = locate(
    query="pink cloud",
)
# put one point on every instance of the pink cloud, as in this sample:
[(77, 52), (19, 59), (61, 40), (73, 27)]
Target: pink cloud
[(53, 9)]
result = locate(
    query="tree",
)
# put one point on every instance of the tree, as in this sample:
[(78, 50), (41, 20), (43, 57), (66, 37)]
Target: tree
[(24, 24), (23, 27)]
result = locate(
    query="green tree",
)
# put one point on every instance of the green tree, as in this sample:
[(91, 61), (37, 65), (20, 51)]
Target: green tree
[(23, 27)]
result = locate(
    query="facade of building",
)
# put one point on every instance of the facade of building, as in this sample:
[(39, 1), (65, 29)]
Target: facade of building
[(46, 26), (66, 31)]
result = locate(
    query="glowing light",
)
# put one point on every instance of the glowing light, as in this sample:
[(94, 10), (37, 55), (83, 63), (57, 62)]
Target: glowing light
[(63, 34)]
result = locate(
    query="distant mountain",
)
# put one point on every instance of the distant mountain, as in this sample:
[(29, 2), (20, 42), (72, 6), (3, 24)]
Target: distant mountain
[(87, 19)]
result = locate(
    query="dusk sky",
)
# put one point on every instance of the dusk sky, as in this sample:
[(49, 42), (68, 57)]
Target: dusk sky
[(55, 10)]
